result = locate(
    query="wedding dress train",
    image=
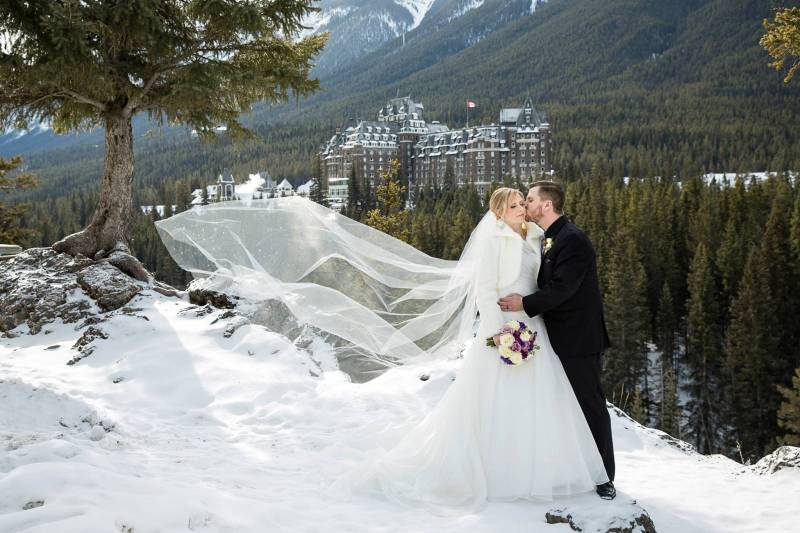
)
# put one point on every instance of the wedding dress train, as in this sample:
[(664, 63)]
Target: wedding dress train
[(499, 433)]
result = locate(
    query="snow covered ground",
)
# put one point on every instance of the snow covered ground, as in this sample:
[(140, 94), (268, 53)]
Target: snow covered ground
[(169, 425)]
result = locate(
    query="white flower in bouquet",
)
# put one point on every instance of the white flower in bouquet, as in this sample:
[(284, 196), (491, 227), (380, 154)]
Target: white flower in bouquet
[(506, 340), (507, 352)]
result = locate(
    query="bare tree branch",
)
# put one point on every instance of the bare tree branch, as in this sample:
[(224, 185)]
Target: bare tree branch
[(84, 100)]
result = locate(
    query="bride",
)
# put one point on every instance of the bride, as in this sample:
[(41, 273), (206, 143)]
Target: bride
[(500, 432)]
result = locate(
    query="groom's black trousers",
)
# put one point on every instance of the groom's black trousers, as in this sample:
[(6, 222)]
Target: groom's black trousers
[(584, 375)]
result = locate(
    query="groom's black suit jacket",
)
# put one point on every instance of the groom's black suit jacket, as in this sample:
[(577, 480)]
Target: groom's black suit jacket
[(569, 293)]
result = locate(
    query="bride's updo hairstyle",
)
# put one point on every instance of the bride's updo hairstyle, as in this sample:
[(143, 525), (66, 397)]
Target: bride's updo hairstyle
[(498, 202)]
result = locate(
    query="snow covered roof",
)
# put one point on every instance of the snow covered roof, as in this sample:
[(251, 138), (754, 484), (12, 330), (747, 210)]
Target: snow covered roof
[(509, 115), (226, 177), (437, 128), (520, 116), (146, 209), (263, 180), (305, 188), (285, 185), (400, 107)]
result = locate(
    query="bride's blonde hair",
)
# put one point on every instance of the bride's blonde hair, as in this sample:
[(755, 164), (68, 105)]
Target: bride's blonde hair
[(498, 204), (500, 199)]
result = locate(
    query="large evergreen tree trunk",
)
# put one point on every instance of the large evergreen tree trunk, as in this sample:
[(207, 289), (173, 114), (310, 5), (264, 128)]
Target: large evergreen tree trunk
[(108, 227)]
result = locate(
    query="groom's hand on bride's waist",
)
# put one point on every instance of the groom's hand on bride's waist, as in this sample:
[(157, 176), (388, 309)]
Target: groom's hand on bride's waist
[(510, 302)]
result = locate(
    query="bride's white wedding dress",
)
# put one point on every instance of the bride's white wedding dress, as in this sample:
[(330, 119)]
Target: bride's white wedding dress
[(500, 432)]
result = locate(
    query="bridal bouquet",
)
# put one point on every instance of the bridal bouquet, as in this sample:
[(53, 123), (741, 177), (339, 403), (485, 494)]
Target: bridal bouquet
[(517, 342)]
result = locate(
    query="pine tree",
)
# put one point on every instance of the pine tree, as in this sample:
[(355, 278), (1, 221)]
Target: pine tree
[(704, 354), (459, 233), (472, 203), (730, 259), (183, 196), (49, 233), (670, 409), (493, 186), (782, 40), (702, 220), (88, 64), (638, 409), (369, 199), (204, 200), (789, 412), (626, 315), (317, 192), (794, 258), (421, 238), (666, 328), (10, 230), (437, 231), (779, 275), (794, 232), (390, 217), (355, 202), (449, 183), (750, 343)]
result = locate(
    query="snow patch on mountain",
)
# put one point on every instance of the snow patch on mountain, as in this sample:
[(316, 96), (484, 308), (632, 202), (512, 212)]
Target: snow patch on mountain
[(317, 22), (535, 3), (464, 8), (33, 130), (418, 10), (387, 21)]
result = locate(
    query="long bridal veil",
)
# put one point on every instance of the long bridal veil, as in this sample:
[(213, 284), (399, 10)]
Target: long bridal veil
[(369, 293)]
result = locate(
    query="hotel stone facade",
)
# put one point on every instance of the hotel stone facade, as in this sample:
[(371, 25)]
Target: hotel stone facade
[(519, 146)]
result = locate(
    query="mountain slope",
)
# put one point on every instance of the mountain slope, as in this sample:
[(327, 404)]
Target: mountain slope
[(358, 27), (635, 86)]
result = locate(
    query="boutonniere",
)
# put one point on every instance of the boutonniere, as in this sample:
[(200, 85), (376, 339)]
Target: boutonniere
[(547, 244)]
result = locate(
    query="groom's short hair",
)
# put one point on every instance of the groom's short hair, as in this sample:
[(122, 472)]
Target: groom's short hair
[(551, 191)]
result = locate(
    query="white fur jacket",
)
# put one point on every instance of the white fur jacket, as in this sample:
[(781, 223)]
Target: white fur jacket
[(499, 269)]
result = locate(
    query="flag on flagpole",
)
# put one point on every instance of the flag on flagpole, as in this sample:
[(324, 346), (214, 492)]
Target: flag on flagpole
[(470, 104)]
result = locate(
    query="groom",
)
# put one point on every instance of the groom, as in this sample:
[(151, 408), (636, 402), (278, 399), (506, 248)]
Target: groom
[(569, 301)]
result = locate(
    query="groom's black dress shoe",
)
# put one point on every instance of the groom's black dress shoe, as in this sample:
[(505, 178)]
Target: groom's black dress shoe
[(607, 490)]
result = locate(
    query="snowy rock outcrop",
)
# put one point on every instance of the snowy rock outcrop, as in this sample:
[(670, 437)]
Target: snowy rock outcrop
[(39, 286), (619, 516), (201, 292), (783, 457), (109, 287)]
